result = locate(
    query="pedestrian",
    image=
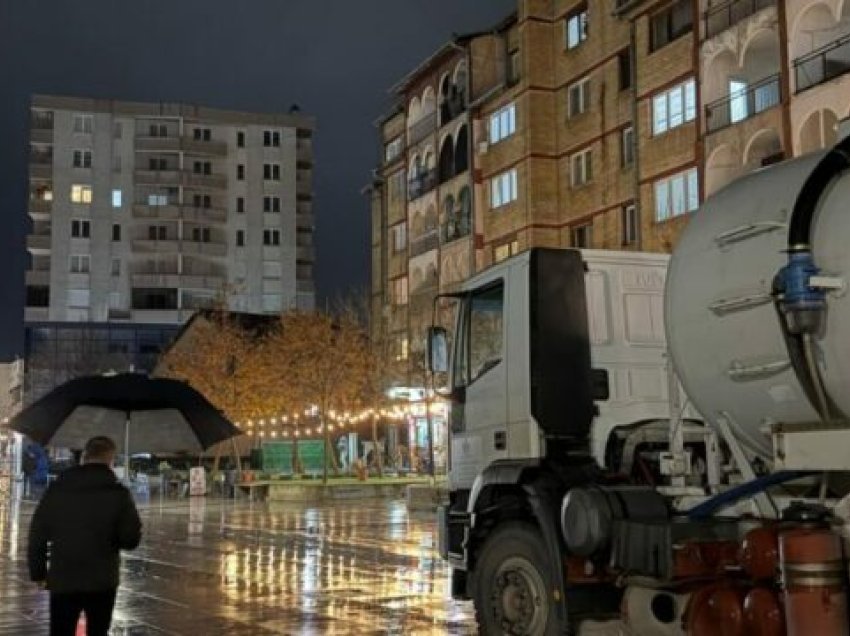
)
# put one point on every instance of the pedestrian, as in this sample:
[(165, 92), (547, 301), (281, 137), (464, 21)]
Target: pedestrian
[(84, 520)]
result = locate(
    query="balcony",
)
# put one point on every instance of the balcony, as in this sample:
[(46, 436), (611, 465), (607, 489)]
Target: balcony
[(176, 143), (38, 243), (303, 185), (41, 126), (203, 215), (303, 286), (719, 18), (823, 64), (174, 280), (158, 177), (36, 314), (37, 278), (425, 243), (421, 184), (164, 212), (426, 125), (193, 179), (305, 253), (455, 229), (175, 177), (452, 107), (166, 245), (304, 150), (204, 249), (40, 209), (741, 105)]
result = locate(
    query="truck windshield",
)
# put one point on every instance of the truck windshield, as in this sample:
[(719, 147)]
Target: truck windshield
[(481, 350)]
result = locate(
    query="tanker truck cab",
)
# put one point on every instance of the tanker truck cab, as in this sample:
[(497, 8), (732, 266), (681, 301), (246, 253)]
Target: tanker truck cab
[(555, 366)]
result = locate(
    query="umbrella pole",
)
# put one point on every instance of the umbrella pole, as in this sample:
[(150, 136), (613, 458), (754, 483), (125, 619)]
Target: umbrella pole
[(127, 448)]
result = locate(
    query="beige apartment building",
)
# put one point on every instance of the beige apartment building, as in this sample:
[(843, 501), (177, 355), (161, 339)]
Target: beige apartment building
[(593, 123)]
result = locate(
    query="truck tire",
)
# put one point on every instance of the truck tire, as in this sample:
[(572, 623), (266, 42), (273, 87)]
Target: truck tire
[(512, 588)]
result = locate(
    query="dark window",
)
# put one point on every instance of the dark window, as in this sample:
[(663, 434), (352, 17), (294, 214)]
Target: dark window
[(116, 232), (670, 24), (624, 64), (80, 229), (38, 296), (154, 299), (157, 233), (240, 172), (207, 201), (271, 237), (513, 67), (240, 238), (240, 204), (271, 204), (582, 236), (240, 139), (629, 224), (196, 200), (271, 172), (627, 147)]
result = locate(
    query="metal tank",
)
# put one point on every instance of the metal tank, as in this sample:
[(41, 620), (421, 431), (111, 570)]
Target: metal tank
[(757, 323)]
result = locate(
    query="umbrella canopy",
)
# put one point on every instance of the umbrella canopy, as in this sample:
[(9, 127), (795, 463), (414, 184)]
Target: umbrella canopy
[(164, 415)]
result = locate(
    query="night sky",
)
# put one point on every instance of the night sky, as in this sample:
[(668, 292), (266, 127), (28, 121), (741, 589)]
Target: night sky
[(336, 59)]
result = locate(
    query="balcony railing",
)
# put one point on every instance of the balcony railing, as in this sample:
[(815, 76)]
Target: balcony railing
[(823, 64), (721, 17), (41, 120), (425, 243), (422, 128), (421, 184), (743, 104)]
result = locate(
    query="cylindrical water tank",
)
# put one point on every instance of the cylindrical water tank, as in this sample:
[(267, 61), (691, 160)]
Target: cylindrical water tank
[(723, 328)]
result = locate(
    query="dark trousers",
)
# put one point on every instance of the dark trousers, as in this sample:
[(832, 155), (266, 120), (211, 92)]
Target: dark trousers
[(65, 612)]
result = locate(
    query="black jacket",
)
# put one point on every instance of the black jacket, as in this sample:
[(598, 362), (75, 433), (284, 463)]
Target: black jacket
[(83, 521)]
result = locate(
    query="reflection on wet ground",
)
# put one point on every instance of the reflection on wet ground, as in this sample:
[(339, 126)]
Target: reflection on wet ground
[(218, 567)]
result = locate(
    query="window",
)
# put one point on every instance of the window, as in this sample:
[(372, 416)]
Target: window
[(82, 158), (271, 204), (271, 237), (201, 235), (581, 168), (116, 267), (158, 130), (629, 223), (503, 189), (401, 348), (80, 263), (582, 236), (506, 250), (157, 233), (670, 24), (202, 167), (80, 228), (202, 134), (737, 100), (674, 107), (240, 172), (271, 171), (396, 188), (579, 97), (503, 123), (240, 205), (624, 69), (399, 291), (271, 138), (78, 298), (116, 198), (81, 193), (272, 269), (676, 195), (399, 233), (392, 150), (202, 201), (157, 199), (157, 163), (577, 27), (116, 232), (514, 69), (483, 350), (240, 238), (83, 124), (240, 138), (627, 147)]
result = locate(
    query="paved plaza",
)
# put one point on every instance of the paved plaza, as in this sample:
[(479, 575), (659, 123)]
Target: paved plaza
[(210, 567)]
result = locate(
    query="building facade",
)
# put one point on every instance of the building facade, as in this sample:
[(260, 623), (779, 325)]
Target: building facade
[(144, 213), (600, 125)]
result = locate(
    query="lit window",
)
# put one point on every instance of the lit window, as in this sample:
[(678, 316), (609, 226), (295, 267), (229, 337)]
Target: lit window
[(581, 168), (157, 199), (80, 193), (677, 195), (116, 198), (577, 27), (579, 97), (503, 123), (503, 189), (674, 107)]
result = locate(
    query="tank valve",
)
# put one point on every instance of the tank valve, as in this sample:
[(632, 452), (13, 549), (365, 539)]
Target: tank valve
[(802, 304)]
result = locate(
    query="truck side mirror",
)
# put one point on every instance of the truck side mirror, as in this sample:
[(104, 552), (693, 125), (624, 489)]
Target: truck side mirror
[(438, 350)]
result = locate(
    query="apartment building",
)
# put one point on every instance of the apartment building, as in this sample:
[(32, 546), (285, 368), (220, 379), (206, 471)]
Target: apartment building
[(143, 213), (604, 124)]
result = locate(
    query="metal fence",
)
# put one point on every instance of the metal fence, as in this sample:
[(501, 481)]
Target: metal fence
[(823, 64), (720, 18)]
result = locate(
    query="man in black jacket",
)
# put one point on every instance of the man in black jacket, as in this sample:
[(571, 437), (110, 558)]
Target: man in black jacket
[(80, 526)]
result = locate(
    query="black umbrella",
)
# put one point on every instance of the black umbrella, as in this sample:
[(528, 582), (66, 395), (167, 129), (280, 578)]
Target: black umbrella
[(165, 415)]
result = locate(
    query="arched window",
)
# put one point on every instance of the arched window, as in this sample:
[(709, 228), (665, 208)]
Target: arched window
[(445, 89), (447, 159), (462, 151)]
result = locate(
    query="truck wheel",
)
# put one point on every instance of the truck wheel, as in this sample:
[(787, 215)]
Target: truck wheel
[(513, 585)]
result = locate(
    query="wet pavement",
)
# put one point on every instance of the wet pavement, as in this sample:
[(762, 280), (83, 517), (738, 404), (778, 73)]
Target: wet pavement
[(210, 567)]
